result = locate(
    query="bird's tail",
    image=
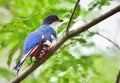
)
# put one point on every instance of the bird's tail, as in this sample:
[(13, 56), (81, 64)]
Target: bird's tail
[(18, 66), (20, 62)]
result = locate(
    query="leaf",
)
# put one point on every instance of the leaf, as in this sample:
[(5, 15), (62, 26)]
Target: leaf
[(12, 52), (6, 73), (82, 40), (98, 4), (90, 34)]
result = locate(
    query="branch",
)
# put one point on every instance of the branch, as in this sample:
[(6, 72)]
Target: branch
[(106, 39), (95, 21), (72, 14), (65, 37), (118, 77)]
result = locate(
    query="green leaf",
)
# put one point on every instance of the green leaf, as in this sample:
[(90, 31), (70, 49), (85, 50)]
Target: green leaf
[(90, 34), (99, 4), (12, 52), (6, 74), (82, 40)]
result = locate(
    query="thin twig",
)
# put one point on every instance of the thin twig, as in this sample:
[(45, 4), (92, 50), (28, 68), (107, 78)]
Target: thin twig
[(65, 37), (118, 77), (72, 14), (108, 40)]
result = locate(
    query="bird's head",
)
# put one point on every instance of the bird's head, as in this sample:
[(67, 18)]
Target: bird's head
[(53, 21)]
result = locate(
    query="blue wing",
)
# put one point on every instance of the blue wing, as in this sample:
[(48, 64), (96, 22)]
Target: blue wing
[(31, 41)]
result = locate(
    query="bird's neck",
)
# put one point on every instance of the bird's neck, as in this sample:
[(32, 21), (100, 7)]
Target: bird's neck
[(55, 25)]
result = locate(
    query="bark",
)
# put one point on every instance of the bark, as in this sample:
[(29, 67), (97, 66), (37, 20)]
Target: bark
[(118, 77)]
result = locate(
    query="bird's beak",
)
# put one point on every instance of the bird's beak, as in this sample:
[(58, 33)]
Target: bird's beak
[(60, 20)]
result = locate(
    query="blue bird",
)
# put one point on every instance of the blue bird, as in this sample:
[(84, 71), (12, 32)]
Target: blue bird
[(40, 41)]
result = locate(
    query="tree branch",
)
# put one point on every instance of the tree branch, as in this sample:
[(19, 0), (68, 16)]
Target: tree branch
[(65, 37), (72, 14), (118, 77), (106, 39)]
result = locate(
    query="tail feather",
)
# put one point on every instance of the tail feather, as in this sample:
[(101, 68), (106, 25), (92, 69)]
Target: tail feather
[(21, 61), (18, 66)]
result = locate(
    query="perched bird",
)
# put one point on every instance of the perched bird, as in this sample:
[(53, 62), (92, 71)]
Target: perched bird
[(40, 41)]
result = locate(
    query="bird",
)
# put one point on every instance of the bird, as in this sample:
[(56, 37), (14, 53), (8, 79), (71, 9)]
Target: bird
[(40, 41)]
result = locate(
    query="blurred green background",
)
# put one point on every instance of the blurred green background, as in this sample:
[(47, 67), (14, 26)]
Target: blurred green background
[(86, 58)]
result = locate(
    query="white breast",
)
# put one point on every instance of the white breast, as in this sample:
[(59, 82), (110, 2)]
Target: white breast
[(50, 43), (55, 25)]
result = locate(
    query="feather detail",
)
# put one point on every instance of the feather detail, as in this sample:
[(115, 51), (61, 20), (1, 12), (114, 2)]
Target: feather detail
[(23, 58), (21, 61), (36, 50)]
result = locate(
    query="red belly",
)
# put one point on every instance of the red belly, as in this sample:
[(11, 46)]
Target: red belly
[(35, 52)]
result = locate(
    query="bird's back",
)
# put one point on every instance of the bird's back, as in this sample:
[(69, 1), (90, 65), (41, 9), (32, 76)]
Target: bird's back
[(35, 37)]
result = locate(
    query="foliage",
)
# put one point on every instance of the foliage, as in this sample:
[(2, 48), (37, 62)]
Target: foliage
[(98, 3), (63, 67)]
